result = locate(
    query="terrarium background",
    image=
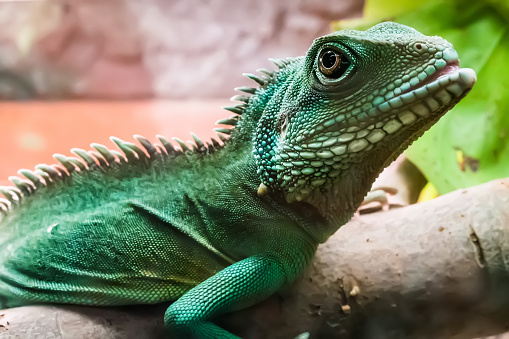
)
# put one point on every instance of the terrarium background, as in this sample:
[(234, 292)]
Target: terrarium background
[(168, 65)]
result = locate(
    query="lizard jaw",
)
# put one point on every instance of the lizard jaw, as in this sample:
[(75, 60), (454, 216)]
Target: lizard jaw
[(408, 113), (440, 90), (450, 68)]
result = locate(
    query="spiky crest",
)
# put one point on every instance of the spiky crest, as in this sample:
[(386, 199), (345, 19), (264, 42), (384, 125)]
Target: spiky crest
[(101, 158)]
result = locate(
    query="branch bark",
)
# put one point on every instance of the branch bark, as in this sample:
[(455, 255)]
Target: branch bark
[(434, 269)]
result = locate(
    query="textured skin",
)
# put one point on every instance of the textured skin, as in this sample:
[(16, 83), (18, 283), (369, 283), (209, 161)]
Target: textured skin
[(223, 227)]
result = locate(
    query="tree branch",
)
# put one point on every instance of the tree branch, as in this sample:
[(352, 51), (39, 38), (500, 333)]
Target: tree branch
[(434, 269)]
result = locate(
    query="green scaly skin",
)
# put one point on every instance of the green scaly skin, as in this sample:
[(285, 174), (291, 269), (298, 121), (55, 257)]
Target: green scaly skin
[(224, 226)]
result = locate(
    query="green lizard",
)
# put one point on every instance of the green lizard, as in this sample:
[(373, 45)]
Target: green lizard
[(223, 225)]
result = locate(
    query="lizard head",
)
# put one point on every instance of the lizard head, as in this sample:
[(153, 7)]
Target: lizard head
[(343, 112)]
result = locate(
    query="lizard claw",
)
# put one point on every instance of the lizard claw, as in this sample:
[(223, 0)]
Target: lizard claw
[(380, 199)]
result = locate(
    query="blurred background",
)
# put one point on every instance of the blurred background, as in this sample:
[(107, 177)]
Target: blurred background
[(74, 72)]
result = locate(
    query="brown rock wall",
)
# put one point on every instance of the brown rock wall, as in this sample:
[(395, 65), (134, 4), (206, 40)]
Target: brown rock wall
[(154, 48)]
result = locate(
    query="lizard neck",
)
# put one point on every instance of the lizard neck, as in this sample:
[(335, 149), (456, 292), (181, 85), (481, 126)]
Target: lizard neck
[(262, 114)]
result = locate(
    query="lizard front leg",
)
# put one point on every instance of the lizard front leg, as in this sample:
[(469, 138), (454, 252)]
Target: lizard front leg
[(238, 286)]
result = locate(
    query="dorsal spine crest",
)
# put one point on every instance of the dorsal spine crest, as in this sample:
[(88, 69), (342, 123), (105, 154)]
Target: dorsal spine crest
[(100, 157)]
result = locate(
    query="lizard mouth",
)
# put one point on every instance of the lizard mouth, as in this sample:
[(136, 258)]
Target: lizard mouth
[(436, 93), (450, 68)]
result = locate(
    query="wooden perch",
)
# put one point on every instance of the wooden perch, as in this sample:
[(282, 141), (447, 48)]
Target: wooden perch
[(430, 270), (434, 269)]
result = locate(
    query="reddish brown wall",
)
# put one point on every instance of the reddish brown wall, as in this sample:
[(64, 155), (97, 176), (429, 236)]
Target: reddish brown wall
[(161, 48)]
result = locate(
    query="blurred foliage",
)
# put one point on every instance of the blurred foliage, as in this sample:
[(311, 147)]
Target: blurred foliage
[(470, 145), (14, 86), (429, 192)]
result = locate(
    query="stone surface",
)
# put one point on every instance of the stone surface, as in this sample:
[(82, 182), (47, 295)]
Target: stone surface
[(146, 48)]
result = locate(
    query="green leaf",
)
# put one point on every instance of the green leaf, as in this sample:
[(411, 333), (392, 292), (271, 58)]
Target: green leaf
[(477, 128), (470, 144), (383, 10)]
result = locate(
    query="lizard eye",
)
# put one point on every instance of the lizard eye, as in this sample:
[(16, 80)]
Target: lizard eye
[(332, 63)]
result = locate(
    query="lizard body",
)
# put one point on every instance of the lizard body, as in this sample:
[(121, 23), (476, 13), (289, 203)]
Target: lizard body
[(222, 226)]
